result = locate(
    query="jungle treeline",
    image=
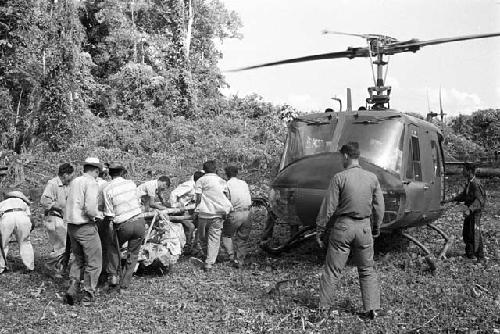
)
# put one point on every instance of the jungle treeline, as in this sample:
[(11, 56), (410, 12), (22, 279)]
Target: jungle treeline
[(139, 79)]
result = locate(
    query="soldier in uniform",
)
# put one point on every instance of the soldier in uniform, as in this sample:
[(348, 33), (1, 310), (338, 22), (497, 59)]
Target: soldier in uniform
[(474, 199), (353, 196)]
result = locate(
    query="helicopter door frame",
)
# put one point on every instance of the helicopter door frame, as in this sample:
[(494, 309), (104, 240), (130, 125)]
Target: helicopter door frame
[(431, 172), (412, 178)]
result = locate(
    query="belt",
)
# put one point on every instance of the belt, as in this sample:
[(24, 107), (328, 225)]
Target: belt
[(242, 210), (13, 210), (133, 218), (354, 217)]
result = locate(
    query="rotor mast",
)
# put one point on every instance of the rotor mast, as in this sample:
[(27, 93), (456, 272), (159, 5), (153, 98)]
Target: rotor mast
[(380, 99)]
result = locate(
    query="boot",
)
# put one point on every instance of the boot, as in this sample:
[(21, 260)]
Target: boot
[(113, 281), (72, 292), (88, 298)]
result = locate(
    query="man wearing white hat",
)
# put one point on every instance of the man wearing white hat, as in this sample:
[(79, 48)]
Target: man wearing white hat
[(81, 212), (15, 218)]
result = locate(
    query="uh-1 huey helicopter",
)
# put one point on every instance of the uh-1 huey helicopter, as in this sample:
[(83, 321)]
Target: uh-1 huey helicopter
[(406, 153)]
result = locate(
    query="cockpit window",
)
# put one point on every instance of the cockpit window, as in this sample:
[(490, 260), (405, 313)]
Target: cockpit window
[(379, 142), (308, 138)]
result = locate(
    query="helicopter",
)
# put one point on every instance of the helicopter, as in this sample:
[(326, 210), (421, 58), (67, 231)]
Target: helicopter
[(405, 152)]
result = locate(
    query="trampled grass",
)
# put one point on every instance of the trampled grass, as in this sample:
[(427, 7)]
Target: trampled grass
[(460, 297)]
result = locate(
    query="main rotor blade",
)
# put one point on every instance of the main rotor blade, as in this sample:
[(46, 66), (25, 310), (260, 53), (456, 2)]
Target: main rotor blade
[(349, 53), (415, 45), (364, 36)]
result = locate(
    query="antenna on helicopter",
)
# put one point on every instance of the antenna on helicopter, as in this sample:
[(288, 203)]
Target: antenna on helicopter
[(441, 107), (335, 98), (430, 113), (349, 100)]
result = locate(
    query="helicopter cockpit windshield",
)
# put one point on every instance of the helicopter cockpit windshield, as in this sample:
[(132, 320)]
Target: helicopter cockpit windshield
[(380, 139), (307, 138)]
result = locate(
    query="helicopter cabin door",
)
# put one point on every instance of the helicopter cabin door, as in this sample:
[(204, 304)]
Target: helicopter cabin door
[(413, 181), (431, 172)]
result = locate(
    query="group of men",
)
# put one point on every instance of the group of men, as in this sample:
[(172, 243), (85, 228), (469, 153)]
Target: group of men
[(104, 215), (90, 219)]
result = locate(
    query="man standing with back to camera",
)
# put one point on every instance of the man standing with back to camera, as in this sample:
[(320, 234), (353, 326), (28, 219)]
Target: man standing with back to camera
[(353, 198)]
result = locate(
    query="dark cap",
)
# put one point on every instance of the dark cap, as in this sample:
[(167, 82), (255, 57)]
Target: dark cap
[(351, 149), (116, 165)]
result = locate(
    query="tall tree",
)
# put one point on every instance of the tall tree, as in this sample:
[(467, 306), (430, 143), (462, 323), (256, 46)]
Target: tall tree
[(43, 69)]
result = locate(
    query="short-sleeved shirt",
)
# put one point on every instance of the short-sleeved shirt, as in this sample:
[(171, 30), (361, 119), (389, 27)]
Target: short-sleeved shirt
[(148, 188), (81, 205), (183, 193), (214, 202), (355, 193), (121, 200), (55, 194), (239, 194), (14, 203)]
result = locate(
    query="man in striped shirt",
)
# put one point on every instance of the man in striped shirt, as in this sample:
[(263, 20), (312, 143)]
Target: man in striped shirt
[(123, 207)]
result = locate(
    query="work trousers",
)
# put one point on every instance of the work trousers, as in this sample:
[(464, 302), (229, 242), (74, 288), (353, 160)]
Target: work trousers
[(472, 236), (17, 222), (235, 235), (189, 228), (105, 230), (86, 248), (209, 232), (345, 236), (132, 232), (57, 231)]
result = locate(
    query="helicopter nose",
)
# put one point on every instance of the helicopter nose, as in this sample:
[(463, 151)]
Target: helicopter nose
[(298, 190)]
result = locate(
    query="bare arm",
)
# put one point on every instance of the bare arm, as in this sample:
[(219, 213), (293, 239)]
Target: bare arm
[(49, 196)]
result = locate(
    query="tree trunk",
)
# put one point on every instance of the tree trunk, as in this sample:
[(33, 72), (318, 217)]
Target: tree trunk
[(132, 5), (188, 9)]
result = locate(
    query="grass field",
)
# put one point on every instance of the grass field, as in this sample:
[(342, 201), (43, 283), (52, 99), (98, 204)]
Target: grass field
[(460, 297)]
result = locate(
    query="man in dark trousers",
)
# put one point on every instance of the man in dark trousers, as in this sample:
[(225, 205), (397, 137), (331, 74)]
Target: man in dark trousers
[(352, 200), (474, 199), (122, 206)]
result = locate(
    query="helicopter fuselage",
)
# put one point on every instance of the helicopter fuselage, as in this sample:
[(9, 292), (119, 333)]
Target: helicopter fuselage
[(403, 151)]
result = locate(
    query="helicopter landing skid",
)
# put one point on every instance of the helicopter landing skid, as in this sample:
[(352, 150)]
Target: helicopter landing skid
[(302, 235), (448, 241), (429, 257)]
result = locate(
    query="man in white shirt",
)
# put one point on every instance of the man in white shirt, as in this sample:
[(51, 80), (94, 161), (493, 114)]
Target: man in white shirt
[(181, 196), (15, 218), (212, 205), (149, 190), (80, 215), (237, 227)]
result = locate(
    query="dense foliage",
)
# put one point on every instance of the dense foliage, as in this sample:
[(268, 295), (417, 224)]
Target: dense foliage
[(140, 79)]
